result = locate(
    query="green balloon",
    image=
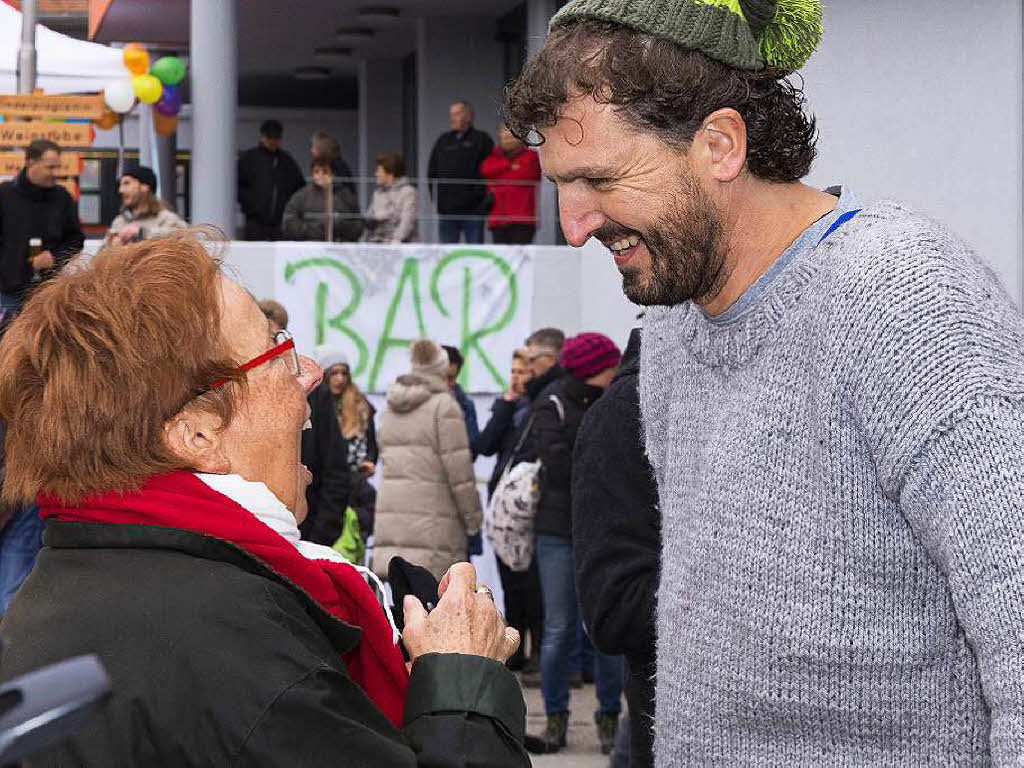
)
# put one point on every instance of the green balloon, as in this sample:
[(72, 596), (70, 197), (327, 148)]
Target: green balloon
[(170, 70)]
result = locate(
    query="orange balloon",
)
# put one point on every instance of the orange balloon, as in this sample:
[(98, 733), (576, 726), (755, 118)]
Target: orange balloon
[(108, 119), (165, 126), (135, 58)]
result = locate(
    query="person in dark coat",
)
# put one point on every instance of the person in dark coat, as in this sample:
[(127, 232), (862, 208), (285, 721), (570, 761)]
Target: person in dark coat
[(305, 215), (34, 206), (267, 178), (455, 363), (617, 543), (457, 155), (590, 361), (523, 609), (172, 548), (325, 147), (341, 464)]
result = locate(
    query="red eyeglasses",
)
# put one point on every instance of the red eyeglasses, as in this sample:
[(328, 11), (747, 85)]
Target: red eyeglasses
[(285, 345)]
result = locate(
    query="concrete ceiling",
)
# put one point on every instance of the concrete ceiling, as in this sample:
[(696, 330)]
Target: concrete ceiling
[(277, 36)]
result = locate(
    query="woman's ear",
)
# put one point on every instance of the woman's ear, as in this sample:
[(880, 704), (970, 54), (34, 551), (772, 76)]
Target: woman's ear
[(194, 436)]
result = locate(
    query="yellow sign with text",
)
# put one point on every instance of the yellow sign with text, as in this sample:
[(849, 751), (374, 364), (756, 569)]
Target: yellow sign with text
[(58, 106), (12, 162), (15, 134)]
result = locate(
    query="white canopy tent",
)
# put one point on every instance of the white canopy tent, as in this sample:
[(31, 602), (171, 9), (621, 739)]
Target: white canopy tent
[(63, 64)]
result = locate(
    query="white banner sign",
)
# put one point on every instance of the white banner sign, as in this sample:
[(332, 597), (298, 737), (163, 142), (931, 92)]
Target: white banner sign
[(373, 301)]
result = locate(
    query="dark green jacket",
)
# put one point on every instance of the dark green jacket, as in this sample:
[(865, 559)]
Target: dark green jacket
[(215, 660)]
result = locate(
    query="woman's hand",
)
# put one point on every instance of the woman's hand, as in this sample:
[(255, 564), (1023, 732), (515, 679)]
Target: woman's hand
[(367, 468), (464, 621)]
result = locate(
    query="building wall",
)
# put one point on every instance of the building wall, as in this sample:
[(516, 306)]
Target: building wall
[(458, 58), (922, 102), (384, 109)]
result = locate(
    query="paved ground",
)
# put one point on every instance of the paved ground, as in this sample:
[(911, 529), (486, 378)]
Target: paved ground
[(583, 750)]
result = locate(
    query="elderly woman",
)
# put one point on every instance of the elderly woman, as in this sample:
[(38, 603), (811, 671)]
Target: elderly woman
[(170, 480)]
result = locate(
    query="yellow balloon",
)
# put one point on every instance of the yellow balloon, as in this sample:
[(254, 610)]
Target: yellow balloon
[(146, 88), (165, 126), (135, 58)]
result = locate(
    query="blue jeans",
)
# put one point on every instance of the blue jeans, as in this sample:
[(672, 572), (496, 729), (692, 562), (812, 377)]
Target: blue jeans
[(20, 541), (561, 617), (449, 230)]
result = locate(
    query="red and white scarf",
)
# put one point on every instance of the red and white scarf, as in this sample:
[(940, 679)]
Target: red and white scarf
[(184, 501)]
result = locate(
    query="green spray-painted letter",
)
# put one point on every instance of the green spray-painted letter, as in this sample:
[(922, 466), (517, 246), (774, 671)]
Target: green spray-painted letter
[(320, 321)]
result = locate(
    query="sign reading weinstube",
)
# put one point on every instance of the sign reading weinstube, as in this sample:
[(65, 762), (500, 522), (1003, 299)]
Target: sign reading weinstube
[(373, 302), (20, 134), (58, 106)]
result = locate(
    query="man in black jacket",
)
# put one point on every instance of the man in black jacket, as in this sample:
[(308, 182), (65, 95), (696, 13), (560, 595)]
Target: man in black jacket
[(616, 541), (267, 178), (590, 361), (33, 206), (457, 155)]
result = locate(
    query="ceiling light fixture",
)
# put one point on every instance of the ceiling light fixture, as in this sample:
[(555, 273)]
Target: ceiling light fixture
[(332, 51), (354, 33), (311, 73), (379, 12)]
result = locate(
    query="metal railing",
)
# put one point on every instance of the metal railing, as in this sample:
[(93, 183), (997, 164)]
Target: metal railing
[(428, 218)]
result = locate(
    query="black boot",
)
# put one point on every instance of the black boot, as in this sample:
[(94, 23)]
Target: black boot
[(553, 738), (607, 725)]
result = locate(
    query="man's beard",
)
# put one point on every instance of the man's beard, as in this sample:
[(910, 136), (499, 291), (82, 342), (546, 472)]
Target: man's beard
[(685, 246)]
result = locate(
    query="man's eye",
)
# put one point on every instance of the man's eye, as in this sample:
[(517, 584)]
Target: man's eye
[(599, 182)]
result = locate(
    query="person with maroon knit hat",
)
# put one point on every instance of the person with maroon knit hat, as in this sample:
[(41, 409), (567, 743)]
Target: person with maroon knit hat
[(590, 361)]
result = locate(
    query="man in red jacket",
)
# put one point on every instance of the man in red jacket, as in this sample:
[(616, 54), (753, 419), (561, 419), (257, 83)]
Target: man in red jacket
[(514, 173)]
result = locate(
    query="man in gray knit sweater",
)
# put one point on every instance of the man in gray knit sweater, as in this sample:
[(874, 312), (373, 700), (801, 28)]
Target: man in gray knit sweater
[(833, 401)]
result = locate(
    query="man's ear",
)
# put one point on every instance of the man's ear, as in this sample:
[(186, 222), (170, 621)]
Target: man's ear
[(194, 436), (722, 144)]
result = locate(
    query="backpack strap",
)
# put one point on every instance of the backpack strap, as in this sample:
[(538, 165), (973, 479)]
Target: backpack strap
[(558, 407)]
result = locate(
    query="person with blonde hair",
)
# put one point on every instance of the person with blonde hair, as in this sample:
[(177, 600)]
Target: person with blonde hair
[(428, 507), (340, 450)]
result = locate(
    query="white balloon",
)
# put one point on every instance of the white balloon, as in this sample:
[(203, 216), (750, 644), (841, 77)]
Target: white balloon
[(119, 95)]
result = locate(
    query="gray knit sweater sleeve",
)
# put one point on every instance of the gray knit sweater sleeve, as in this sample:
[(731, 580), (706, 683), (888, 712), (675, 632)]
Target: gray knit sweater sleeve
[(937, 383), (964, 497)]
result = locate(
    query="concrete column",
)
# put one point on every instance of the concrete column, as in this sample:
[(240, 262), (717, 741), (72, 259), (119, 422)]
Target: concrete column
[(27, 50), (538, 14), (363, 140), (428, 220), (214, 72), (147, 137)]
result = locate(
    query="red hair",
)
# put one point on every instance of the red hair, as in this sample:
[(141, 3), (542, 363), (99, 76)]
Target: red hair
[(101, 358)]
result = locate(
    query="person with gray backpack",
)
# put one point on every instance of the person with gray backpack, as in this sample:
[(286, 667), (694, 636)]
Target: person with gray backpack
[(589, 362)]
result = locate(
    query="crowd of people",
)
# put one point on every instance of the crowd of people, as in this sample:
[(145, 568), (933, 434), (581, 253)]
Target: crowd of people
[(787, 523), (474, 182)]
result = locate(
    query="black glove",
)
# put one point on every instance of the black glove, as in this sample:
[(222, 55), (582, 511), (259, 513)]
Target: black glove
[(474, 544)]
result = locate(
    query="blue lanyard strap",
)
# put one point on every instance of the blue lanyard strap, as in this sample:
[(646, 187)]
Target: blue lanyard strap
[(839, 222)]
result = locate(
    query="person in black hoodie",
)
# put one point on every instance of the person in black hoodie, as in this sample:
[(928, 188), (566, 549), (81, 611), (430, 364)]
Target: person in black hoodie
[(616, 542), (33, 206), (267, 178), (590, 361), (458, 154)]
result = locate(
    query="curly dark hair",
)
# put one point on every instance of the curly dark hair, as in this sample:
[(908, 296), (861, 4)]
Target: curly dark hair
[(658, 86)]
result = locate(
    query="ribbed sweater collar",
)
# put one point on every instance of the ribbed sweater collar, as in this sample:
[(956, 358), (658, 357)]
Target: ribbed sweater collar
[(732, 339)]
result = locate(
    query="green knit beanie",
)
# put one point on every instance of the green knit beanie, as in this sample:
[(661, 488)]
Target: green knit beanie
[(745, 34)]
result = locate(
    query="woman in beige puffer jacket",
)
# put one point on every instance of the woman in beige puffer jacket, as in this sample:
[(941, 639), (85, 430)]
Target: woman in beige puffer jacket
[(427, 500)]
